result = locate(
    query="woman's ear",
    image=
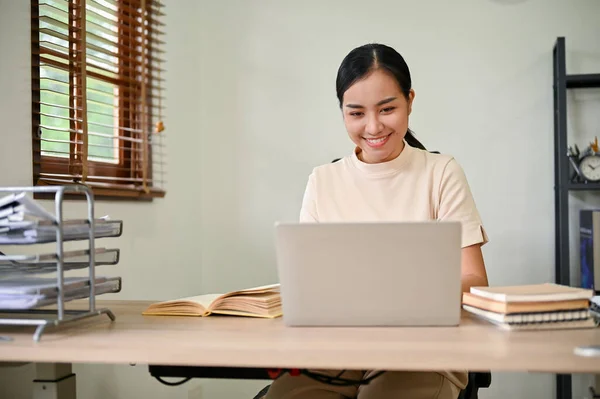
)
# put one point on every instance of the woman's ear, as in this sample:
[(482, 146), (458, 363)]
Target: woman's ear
[(411, 97)]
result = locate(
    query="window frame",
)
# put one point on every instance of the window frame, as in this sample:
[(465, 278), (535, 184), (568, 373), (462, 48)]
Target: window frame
[(103, 176)]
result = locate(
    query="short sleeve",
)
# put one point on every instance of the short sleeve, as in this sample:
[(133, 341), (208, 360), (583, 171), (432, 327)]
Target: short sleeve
[(456, 203), (308, 211)]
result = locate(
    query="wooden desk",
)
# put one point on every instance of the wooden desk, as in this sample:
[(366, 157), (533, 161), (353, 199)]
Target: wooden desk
[(245, 342)]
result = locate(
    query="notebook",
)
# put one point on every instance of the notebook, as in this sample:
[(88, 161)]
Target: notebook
[(263, 302), (545, 292), (522, 307), (536, 321)]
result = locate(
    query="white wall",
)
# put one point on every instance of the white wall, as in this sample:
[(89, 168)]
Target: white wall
[(251, 90)]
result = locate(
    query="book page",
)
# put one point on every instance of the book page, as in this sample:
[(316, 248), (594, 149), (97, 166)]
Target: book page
[(203, 300), (254, 290), (266, 315), (188, 306), (258, 304)]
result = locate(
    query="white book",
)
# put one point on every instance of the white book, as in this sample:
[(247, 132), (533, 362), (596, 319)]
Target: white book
[(545, 292), (534, 322), (532, 317)]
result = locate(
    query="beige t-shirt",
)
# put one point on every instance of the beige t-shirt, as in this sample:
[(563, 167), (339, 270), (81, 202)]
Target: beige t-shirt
[(415, 186)]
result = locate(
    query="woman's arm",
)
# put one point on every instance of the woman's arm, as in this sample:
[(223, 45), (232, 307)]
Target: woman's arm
[(472, 268), (457, 204)]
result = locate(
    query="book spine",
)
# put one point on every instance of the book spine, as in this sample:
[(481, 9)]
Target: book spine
[(586, 249), (530, 318), (561, 325), (547, 317), (595, 274)]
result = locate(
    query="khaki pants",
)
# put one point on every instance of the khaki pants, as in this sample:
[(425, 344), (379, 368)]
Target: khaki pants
[(412, 385)]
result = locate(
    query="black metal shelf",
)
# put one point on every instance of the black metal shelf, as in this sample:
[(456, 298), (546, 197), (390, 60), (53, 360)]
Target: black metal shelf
[(562, 177), (583, 81), (583, 186)]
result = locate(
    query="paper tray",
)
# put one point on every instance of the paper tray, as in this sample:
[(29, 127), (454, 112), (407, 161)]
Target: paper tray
[(32, 301), (11, 265), (75, 230)]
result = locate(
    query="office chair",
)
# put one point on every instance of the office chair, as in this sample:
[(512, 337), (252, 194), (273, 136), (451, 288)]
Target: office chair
[(477, 380)]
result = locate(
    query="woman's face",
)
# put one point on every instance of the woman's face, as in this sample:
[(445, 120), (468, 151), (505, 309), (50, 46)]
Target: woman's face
[(376, 116)]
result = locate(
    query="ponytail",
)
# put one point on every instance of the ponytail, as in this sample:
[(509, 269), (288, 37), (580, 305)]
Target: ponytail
[(412, 140)]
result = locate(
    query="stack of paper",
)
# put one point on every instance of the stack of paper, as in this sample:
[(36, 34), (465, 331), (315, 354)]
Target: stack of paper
[(16, 206), (20, 265), (24, 221), (29, 293), (531, 307)]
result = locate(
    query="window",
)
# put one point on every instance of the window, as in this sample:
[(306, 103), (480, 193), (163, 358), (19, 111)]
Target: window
[(97, 98)]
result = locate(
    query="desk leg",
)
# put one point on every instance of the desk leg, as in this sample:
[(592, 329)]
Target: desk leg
[(54, 381)]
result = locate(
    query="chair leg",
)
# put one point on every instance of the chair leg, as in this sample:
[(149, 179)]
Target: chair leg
[(470, 391)]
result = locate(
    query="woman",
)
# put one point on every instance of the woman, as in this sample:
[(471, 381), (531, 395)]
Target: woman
[(388, 177)]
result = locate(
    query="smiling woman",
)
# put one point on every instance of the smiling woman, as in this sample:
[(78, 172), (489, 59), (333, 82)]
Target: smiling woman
[(379, 74), (389, 176), (379, 122)]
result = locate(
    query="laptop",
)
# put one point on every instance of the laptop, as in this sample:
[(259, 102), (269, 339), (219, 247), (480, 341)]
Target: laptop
[(370, 274)]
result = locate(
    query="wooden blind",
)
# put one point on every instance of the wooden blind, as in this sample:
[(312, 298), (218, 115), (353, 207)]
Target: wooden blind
[(98, 105)]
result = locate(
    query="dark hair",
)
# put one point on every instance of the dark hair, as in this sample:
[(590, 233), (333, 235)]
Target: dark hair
[(367, 58)]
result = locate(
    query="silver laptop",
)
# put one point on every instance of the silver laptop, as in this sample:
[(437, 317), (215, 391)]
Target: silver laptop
[(369, 274)]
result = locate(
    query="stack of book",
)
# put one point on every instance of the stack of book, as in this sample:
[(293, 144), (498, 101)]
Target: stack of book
[(532, 307)]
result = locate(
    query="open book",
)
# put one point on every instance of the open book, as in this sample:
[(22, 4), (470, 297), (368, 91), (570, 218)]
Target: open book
[(264, 301)]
